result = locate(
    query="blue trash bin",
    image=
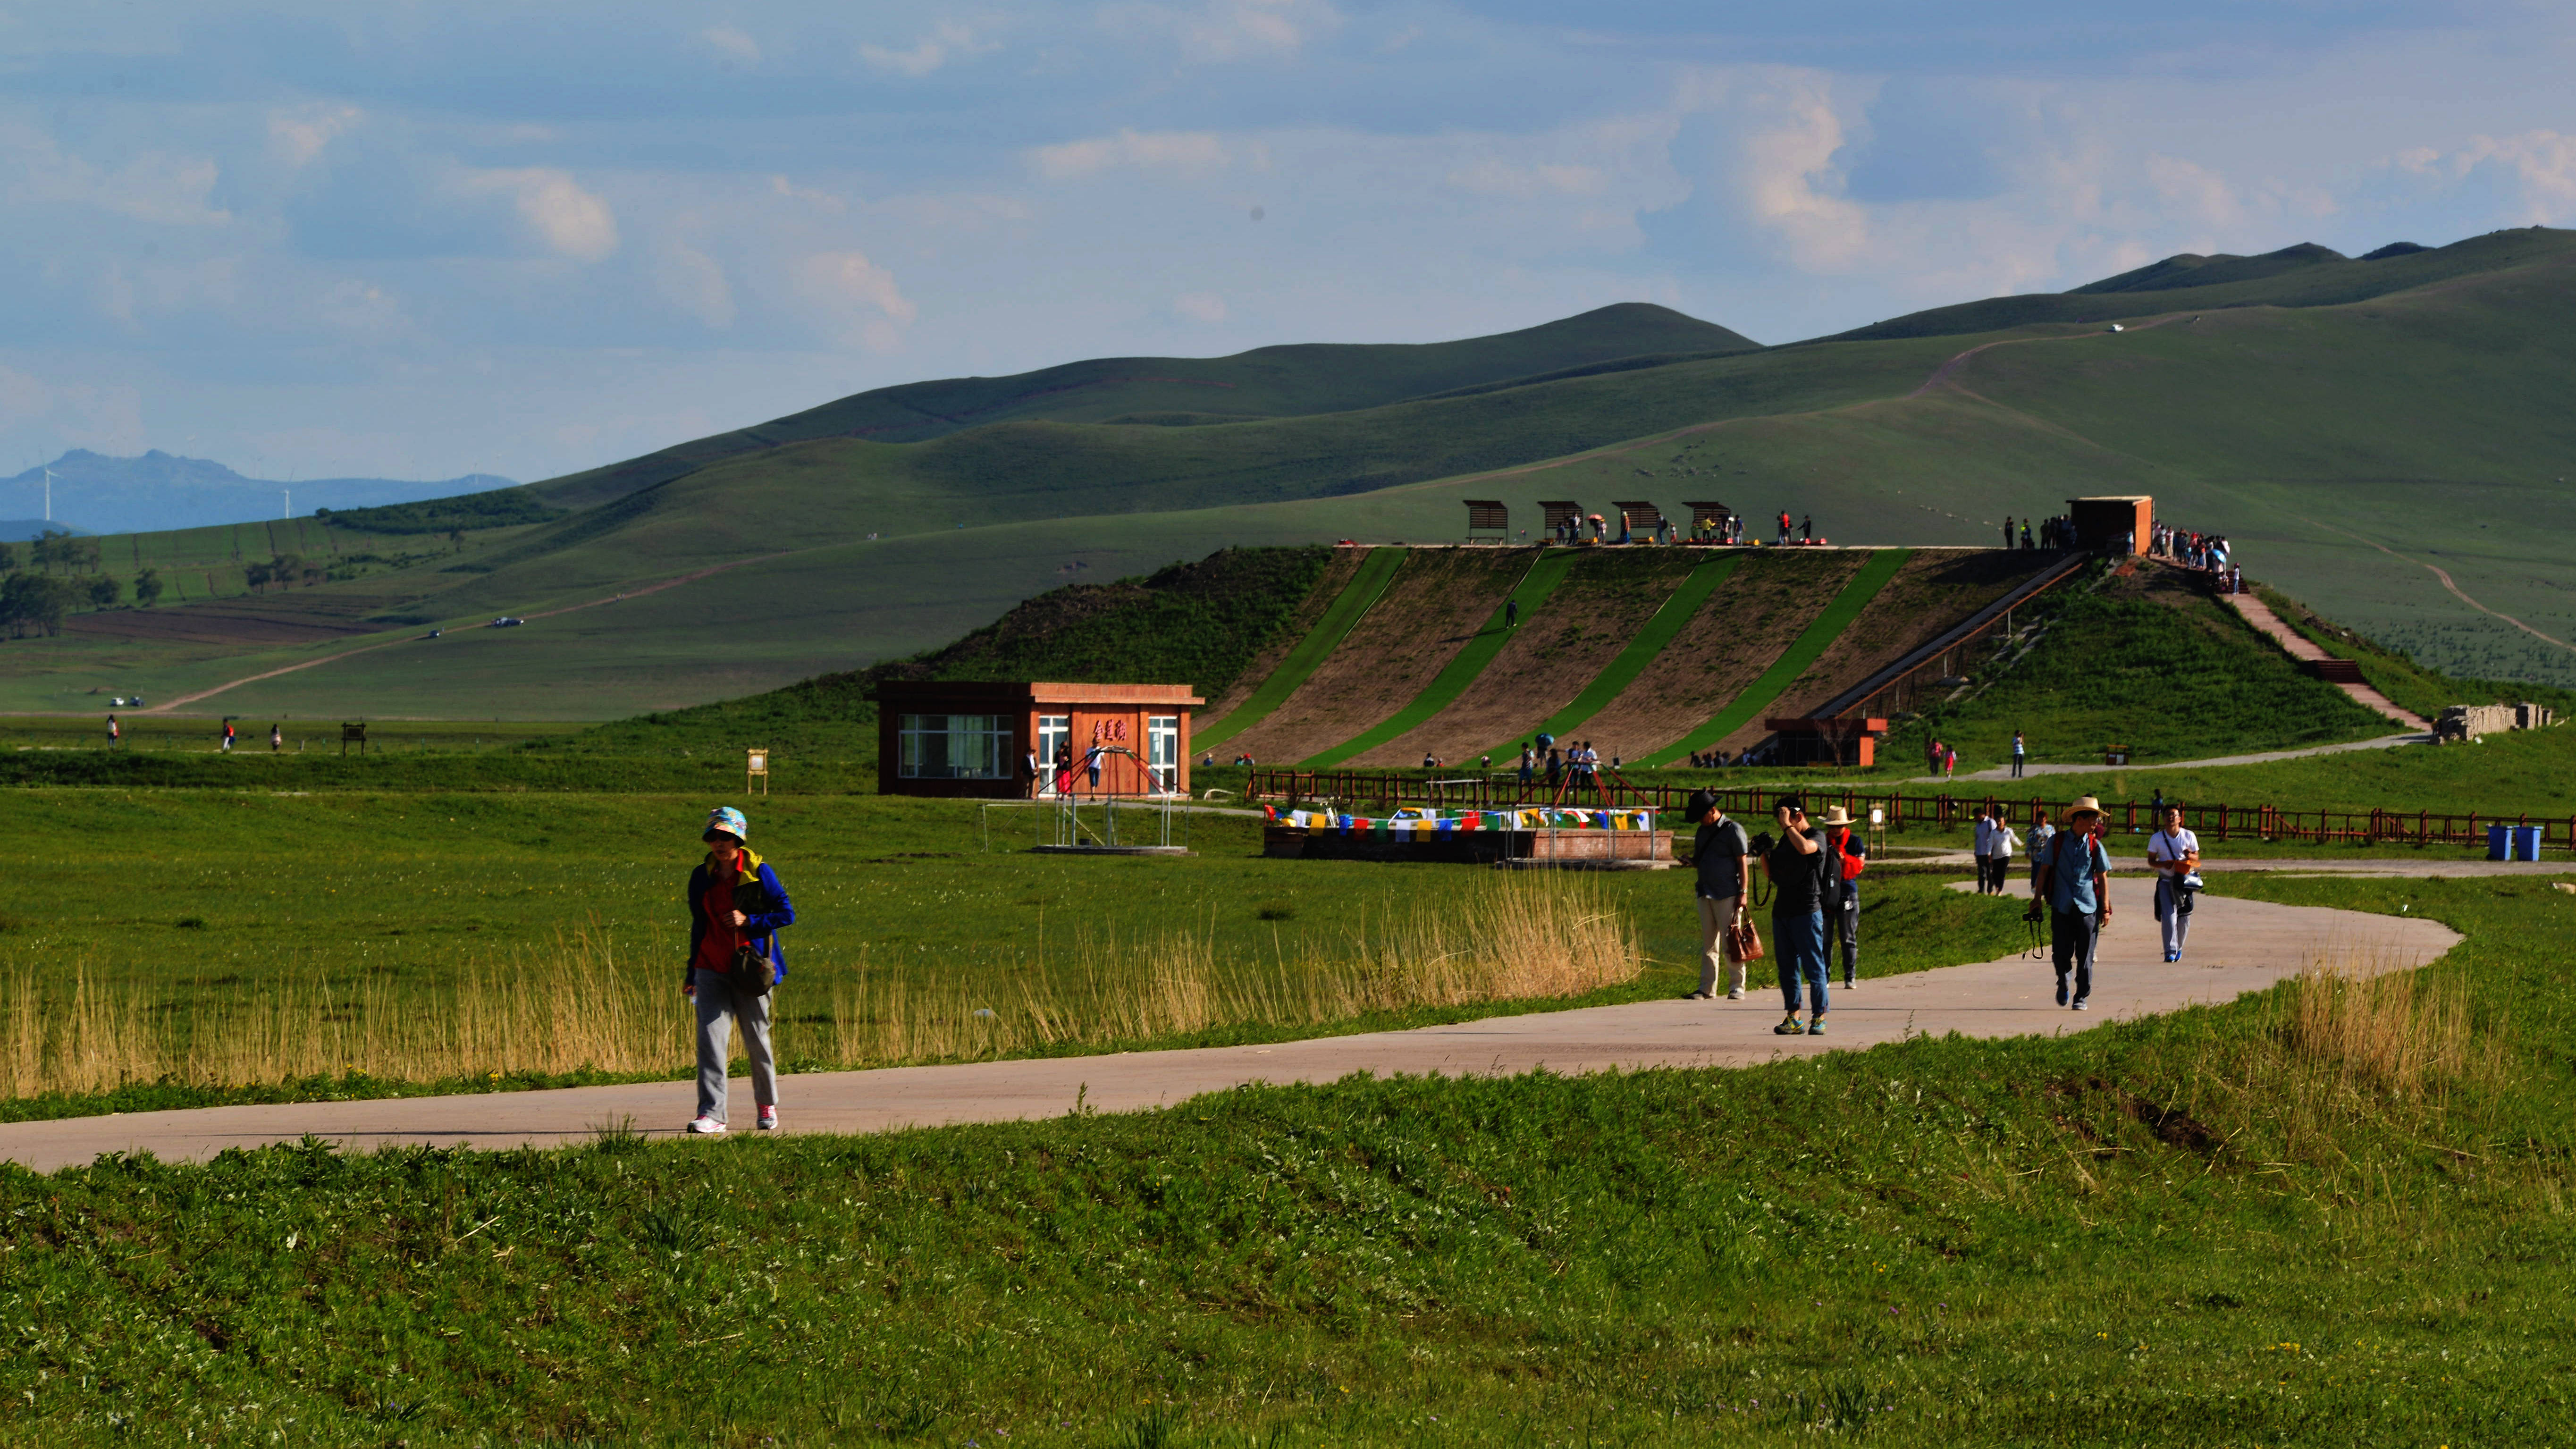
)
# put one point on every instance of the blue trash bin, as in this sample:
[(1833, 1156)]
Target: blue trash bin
[(2499, 842), (2526, 842)]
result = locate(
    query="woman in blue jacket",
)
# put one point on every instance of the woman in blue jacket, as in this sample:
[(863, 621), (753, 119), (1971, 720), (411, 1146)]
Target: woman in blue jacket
[(736, 909)]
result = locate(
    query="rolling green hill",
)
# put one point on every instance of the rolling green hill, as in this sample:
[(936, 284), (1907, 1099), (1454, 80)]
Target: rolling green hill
[(2383, 437)]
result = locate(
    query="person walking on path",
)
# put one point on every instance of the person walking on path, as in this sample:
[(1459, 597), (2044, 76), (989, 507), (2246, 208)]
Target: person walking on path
[(2026, 544), (1807, 527), (2075, 888), (2175, 854), (1717, 856), (227, 745), (1511, 613), (1985, 845), (115, 732), (2000, 846), (2040, 834), (2008, 534), (1525, 765), (1784, 525), (1795, 866), (1846, 853), (1932, 758), (1949, 761), (2018, 750), (736, 909)]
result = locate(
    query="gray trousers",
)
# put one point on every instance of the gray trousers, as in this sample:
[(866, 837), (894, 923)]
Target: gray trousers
[(1843, 919), (1715, 915), (2176, 921), (718, 1009)]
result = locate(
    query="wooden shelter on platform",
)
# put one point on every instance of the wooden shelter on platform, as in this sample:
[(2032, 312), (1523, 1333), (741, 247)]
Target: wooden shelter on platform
[(1488, 515), (1848, 740), (2101, 524), (972, 738)]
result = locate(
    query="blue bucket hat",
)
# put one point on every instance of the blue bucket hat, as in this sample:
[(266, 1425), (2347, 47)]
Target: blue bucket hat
[(730, 821)]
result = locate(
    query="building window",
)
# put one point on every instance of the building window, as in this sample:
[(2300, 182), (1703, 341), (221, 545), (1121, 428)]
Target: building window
[(955, 746), (1163, 750)]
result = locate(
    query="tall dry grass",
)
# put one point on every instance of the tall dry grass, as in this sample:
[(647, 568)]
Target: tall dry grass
[(576, 1007), (2359, 1031)]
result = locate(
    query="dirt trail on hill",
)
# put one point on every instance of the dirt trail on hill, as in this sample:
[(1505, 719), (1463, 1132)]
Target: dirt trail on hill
[(2237, 946), (1437, 602), (1947, 374), (1936, 589), (1744, 627), (1606, 597)]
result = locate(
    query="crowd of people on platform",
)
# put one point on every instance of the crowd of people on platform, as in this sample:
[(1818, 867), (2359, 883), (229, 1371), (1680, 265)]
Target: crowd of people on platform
[(1574, 528), (2207, 552), (2054, 533)]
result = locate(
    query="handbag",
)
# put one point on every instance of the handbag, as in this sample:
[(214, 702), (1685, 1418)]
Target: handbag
[(1742, 941), (750, 972)]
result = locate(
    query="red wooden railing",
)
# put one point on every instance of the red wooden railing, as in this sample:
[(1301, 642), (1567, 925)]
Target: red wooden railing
[(1382, 791)]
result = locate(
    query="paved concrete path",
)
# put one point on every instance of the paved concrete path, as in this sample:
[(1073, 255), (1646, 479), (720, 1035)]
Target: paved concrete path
[(2238, 946), (2004, 772), (2288, 865), (2260, 615)]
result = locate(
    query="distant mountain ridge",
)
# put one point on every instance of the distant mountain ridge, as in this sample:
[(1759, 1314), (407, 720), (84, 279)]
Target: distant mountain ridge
[(163, 490)]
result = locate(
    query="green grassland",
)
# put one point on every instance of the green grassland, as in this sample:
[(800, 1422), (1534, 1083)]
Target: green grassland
[(2203, 1229), (2317, 413), (253, 893)]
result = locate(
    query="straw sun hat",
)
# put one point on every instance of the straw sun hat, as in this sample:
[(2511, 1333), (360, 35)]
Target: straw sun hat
[(1837, 816), (2084, 805)]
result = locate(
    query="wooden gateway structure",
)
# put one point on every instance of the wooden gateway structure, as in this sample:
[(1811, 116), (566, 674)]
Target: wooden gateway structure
[(972, 738)]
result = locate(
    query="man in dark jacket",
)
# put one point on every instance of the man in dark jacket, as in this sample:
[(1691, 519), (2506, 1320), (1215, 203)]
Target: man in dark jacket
[(736, 909), (1796, 868), (1717, 854)]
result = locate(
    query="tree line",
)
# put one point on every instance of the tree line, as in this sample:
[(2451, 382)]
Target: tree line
[(34, 599)]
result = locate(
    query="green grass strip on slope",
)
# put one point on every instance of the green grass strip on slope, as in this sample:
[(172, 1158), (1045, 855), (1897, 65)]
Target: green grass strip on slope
[(1344, 615), (1810, 646), (1641, 650), (1443, 691)]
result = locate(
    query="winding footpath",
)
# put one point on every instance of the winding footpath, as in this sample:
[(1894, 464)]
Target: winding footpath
[(2238, 946)]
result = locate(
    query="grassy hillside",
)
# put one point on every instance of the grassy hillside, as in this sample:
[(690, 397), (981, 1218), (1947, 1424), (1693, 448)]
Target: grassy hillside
[(2144, 660), (2354, 425)]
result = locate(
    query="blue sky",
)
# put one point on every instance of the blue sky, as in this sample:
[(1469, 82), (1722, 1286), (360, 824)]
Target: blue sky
[(419, 240)]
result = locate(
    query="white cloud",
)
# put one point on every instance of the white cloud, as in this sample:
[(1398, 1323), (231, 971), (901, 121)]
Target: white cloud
[(695, 283), (299, 135), (1189, 154), (570, 221), (151, 186), (1226, 30), (813, 196), (860, 295), (731, 45), (108, 419), (1200, 306), (1491, 176), (2536, 170), (946, 41)]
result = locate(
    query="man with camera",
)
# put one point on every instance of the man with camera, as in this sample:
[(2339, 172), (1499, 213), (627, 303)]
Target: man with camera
[(1796, 868), (1717, 855), (2175, 854), (2074, 886)]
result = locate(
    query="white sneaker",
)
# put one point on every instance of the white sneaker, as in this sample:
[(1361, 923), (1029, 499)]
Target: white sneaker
[(1736, 995), (706, 1127), (768, 1119)]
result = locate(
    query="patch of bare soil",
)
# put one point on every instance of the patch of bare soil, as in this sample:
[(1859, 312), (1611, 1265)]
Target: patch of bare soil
[(255, 622), (1440, 597), (1604, 599), (1747, 624), (1936, 589), (1336, 576)]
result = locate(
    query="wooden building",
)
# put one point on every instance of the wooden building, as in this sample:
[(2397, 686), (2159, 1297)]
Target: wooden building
[(972, 738), (2118, 524)]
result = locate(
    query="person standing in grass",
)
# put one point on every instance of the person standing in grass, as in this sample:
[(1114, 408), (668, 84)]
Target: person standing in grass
[(2075, 886), (1717, 856), (1795, 866), (1846, 853), (115, 732), (276, 739), (2175, 854), (736, 910)]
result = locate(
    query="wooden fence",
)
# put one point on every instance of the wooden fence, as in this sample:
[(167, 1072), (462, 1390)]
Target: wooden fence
[(1384, 792)]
